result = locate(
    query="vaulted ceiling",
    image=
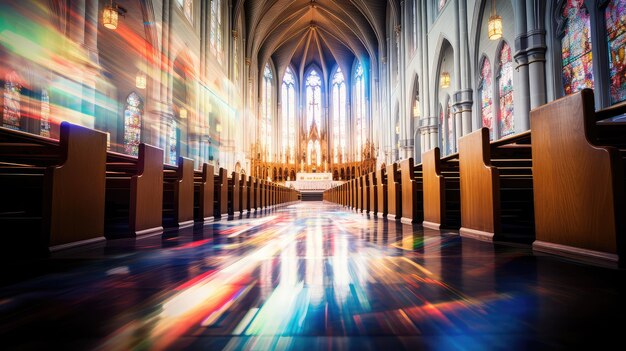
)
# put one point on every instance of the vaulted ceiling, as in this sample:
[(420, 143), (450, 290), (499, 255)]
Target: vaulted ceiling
[(319, 32)]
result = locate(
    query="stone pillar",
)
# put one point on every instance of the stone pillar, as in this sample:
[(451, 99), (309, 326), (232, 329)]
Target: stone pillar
[(464, 96), (522, 102), (536, 52), (425, 82)]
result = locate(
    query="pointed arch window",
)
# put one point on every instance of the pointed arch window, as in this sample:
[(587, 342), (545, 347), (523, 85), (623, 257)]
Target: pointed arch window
[(486, 96), (443, 134), (615, 16), (576, 52), (133, 114), (266, 112), (340, 132), (505, 91), (313, 99), (288, 99), (11, 104), (450, 132), (359, 110), (215, 37), (172, 140)]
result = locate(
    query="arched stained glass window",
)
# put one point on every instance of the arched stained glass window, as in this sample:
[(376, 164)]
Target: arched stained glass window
[(44, 121), (289, 128), (576, 47), (451, 139), (172, 137), (133, 114), (266, 112), (615, 15), (313, 99), (443, 135), (505, 87), (340, 132), (215, 37), (11, 104), (359, 111), (486, 96)]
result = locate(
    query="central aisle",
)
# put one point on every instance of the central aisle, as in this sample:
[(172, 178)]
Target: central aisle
[(307, 276)]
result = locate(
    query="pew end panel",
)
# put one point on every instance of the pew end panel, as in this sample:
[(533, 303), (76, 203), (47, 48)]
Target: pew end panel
[(579, 185)]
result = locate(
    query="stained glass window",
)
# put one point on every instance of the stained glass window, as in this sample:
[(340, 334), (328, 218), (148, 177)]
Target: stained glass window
[(442, 130), (450, 138), (44, 121), (236, 59), (132, 124), (11, 107), (289, 128), (359, 110), (505, 87), (173, 141), (313, 99), (215, 37), (486, 96), (340, 132), (266, 111), (615, 15), (576, 47)]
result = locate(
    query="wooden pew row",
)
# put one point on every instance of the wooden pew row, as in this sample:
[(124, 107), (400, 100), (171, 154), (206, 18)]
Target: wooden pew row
[(442, 192), (221, 194), (132, 206), (52, 191), (496, 187), (204, 199), (578, 163), (411, 180), (394, 192), (178, 194)]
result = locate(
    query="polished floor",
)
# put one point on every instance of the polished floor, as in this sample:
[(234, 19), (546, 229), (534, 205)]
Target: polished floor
[(309, 276)]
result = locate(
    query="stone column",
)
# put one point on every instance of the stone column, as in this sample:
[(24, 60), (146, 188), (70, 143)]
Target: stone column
[(522, 102), (425, 81), (464, 96), (536, 52)]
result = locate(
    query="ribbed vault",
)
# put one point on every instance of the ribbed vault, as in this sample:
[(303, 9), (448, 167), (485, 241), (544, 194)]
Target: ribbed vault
[(299, 33)]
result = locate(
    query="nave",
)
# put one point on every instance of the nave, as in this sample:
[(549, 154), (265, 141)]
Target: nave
[(309, 275)]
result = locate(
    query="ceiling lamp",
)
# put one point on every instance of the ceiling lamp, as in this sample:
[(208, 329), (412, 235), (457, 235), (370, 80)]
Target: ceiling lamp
[(182, 113), (494, 27), (110, 15), (445, 80), (140, 81)]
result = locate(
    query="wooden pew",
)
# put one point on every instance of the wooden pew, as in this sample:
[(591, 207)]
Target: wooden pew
[(221, 194), (442, 192), (496, 187), (234, 194), (257, 194), (366, 193), (133, 207), (204, 200), (381, 188), (394, 192), (178, 194), (249, 198), (373, 194), (361, 187), (412, 192), (579, 181), (52, 191), (357, 194)]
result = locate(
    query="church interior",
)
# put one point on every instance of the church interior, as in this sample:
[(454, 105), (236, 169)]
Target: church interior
[(312, 174)]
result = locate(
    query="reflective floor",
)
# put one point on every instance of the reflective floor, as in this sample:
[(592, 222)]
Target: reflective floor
[(305, 277)]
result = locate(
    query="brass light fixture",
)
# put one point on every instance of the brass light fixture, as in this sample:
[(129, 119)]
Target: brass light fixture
[(444, 80), (494, 26), (182, 113), (110, 15)]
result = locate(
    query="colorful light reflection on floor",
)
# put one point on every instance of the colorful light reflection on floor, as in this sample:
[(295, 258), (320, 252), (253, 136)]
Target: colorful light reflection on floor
[(309, 276)]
